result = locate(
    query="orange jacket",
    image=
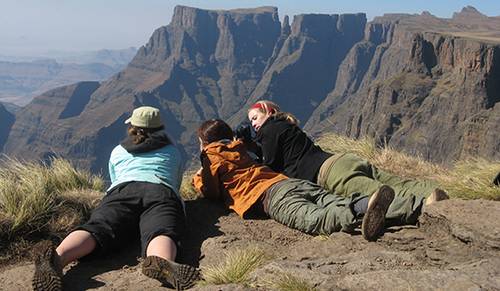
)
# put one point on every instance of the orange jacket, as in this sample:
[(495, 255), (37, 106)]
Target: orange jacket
[(229, 173)]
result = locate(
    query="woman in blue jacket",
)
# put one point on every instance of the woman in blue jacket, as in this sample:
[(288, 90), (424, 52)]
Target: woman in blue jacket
[(145, 171)]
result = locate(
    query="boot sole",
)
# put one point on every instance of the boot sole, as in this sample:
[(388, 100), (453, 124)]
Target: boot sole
[(374, 218), (46, 276), (179, 276)]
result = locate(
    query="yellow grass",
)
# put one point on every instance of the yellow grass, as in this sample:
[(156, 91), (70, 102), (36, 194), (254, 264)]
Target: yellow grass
[(187, 191), (235, 266), (469, 179), (31, 193), (288, 282)]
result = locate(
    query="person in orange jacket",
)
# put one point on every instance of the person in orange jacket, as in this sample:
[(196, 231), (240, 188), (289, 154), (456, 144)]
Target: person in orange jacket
[(229, 174)]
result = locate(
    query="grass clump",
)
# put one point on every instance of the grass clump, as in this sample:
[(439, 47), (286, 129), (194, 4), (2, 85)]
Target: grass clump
[(468, 179), (34, 194), (472, 178), (235, 266), (288, 282), (187, 191)]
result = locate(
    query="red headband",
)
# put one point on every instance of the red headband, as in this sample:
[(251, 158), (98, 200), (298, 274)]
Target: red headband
[(263, 107)]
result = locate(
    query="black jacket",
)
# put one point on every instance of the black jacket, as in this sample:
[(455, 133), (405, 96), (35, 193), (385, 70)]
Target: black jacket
[(287, 149)]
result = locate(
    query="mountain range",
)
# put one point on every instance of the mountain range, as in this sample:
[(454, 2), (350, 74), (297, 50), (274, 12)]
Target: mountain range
[(22, 78), (423, 84)]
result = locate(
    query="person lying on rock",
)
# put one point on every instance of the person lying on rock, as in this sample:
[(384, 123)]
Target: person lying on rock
[(287, 149), (145, 171), (229, 174)]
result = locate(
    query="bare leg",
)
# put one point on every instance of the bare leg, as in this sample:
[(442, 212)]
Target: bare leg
[(77, 244), (160, 264), (162, 246), (49, 263)]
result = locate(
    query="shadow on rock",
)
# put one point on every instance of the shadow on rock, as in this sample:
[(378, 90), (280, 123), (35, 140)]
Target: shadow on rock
[(80, 277), (202, 218)]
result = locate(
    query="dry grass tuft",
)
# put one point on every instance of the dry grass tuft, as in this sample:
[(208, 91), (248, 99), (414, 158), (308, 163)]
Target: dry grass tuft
[(33, 194), (472, 178), (288, 282), (235, 266), (187, 191), (469, 179), (335, 143)]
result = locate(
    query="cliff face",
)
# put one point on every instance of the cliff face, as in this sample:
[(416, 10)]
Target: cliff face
[(305, 67), (6, 121), (47, 125), (202, 65), (420, 83), (425, 92)]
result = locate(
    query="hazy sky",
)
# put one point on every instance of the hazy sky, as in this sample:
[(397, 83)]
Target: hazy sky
[(35, 26)]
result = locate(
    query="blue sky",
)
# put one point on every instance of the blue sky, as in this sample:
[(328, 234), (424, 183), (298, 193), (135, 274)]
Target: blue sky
[(29, 27)]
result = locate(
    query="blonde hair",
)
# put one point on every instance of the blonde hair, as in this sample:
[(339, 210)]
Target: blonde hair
[(266, 107)]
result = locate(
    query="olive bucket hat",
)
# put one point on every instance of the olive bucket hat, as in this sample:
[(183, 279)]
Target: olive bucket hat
[(145, 117)]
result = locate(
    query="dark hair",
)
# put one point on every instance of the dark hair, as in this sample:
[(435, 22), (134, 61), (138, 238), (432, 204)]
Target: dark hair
[(139, 134), (214, 130)]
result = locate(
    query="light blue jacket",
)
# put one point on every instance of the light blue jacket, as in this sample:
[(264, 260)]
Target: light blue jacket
[(161, 166)]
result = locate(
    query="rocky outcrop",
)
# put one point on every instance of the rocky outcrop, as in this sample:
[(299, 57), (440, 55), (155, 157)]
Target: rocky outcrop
[(428, 93), (456, 247), (311, 54), (45, 127)]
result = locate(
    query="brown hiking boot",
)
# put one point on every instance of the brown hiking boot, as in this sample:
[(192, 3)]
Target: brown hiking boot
[(374, 218), (436, 195), (48, 270), (170, 273)]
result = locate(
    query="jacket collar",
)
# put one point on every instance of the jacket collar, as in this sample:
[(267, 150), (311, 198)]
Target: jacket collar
[(154, 141)]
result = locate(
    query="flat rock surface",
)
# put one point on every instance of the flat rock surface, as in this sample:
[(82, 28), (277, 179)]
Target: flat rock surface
[(455, 247)]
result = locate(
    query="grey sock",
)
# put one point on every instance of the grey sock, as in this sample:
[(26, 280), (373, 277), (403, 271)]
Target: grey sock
[(361, 206)]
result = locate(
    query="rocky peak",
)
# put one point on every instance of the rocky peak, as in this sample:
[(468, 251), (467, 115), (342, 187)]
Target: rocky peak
[(313, 25), (468, 12), (427, 14), (285, 27)]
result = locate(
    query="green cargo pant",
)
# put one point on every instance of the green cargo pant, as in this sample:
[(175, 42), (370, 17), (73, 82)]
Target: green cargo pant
[(305, 206), (350, 173)]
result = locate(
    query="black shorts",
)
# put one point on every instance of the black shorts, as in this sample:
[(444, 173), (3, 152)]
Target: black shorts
[(136, 207)]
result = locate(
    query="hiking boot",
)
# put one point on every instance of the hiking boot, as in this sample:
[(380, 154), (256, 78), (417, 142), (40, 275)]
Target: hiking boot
[(179, 276), (48, 270), (436, 195), (374, 218)]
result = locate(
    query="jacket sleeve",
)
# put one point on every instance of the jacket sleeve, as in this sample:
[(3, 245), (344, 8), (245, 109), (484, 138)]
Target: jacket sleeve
[(272, 155), (207, 182)]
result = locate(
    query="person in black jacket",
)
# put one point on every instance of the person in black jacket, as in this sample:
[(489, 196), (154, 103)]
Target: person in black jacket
[(287, 149)]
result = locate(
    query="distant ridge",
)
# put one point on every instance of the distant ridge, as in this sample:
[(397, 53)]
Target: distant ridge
[(426, 85)]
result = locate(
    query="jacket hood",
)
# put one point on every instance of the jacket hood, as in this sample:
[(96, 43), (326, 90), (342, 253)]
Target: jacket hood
[(154, 141)]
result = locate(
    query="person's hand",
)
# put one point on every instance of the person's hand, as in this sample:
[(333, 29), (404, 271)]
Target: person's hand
[(244, 132)]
